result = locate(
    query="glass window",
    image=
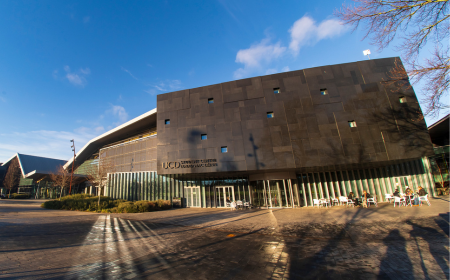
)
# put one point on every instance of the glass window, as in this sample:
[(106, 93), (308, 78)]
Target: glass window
[(270, 115), (276, 90), (204, 136), (323, 91), (167, 121), (352, 123), (210, 100), (224, 150), (402, 99)]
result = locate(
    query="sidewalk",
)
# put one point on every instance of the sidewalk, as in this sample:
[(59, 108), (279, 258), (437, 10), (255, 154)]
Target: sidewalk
[(325, 223)]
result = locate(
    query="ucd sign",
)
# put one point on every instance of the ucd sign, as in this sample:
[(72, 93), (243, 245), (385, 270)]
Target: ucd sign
[(189, 163)]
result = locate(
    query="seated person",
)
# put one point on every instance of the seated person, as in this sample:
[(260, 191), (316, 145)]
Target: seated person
[(352, 196), (396, 193), (422, 192), (408, 191)]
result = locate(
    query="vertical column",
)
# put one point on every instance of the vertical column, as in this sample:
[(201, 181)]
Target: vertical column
[(203, 192), (429, 177), (342, 183), (324, 177), (303, 189), (309, 188)]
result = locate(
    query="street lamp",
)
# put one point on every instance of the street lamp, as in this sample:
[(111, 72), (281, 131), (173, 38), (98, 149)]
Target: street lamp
[(73, 163)]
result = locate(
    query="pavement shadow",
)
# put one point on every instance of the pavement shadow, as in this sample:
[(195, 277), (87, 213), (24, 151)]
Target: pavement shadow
[(437, 248), (396, 260)]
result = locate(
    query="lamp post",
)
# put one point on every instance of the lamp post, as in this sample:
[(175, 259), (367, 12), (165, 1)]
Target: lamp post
[(73, 163)]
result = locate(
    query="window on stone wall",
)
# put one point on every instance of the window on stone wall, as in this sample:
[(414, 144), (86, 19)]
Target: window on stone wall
[(224, 150), (276, 90), (352, 123), (167, 121), (204, 136), (402, 99), (270, 115), (323, 91), (210, 100)]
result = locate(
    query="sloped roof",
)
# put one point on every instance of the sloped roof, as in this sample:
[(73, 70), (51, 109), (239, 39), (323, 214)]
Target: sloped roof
[(34, 167), (113, 135)]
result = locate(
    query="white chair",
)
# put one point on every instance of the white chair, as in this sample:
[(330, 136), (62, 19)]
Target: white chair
[(388, 197), (424, 198), (325, 202), (350, 202), (334, 201), (247, 204), (316, 202), (372, 200), (239, 204), (233, 206), (342, 200), (399, 200)]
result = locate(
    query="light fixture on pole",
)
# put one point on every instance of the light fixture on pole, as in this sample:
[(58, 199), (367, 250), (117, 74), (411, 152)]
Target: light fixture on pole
[(73, 163), (367, 52)]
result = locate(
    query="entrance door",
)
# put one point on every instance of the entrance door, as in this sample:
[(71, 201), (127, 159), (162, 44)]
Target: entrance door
[(192, 196), (224, 196)]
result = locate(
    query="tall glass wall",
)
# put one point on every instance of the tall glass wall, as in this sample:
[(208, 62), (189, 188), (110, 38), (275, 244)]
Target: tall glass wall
[(220, 192)]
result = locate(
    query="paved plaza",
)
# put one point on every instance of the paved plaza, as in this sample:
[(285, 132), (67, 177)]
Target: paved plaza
[(333, 243)]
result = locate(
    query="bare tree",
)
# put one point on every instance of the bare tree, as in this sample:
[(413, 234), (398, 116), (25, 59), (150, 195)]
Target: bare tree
[(60, 178), (12, 177), (415, 22), (98, 174)]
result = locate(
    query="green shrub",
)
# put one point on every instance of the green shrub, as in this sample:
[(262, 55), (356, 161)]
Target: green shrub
[(127, 207), (19, 196), (142, 206), (85, 202)]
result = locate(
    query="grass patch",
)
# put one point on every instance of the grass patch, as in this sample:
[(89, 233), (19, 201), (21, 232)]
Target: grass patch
[(86, 202)]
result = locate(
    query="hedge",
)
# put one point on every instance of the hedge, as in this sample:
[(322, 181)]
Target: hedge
[(19, 196), (86, 202)]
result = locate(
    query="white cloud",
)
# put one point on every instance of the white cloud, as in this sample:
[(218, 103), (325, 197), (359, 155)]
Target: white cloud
[(85, 71), (164, 86), (253, 58), (305, 32), (127, 71), (285, 69), (120, 113), (77, 79), (45, 143)]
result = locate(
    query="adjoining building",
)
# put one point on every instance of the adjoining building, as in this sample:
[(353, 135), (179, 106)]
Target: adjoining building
[(439, 133), (34, 176), (280, 140)]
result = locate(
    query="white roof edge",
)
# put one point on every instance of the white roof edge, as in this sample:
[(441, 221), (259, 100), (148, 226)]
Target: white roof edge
[(138, 118), (20, 163), (439, 121)]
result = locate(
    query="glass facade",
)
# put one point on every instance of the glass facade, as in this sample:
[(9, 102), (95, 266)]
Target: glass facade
[(288, 193)]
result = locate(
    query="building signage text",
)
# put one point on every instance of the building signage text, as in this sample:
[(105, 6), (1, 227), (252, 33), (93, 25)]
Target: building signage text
[(189, 163)]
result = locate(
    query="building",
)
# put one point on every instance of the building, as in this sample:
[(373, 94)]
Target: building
[(280, 140), (34, 175), (439, 133)]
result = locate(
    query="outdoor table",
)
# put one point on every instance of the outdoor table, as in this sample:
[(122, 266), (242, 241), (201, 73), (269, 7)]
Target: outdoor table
[(409, 202)]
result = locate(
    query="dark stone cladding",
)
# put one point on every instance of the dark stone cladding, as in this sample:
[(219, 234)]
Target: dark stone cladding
[(309, 130)]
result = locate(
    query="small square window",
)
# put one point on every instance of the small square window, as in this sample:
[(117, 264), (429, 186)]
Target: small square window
[(270, 115), (352, 123), (224, 150), (210, 100), (167, 121), (276, 90), (204, 136), (323, 91), (402, 99)]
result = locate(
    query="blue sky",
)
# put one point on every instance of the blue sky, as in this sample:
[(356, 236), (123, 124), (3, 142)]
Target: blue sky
[(75, 69)]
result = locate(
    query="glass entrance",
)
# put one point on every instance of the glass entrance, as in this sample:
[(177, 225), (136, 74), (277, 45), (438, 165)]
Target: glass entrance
[(275, 193), (224, 196), (192, 195)]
